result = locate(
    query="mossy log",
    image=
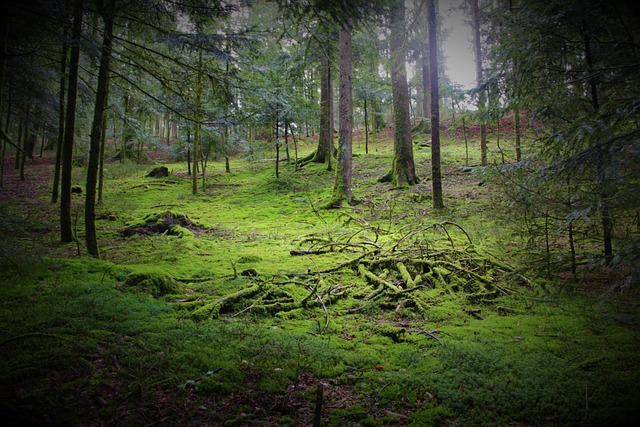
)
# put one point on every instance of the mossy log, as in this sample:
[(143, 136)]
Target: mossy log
[(407, 278), (376, 280), (212, 309)]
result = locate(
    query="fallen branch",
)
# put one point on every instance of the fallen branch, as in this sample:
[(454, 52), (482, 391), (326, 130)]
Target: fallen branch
[(431, 334)]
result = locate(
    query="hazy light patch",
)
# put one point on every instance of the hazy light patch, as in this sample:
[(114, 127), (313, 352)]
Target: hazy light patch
[(458, 49)]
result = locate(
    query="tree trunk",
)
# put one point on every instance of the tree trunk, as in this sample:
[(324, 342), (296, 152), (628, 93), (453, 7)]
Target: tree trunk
[(197, 131), (28, 140), (436, 174), (189, 150), (326, 127), (4, 33), (66, 229), (426, 79), (342, 187), (426, 85), (103, 143), (603, 178), (403, 169), (518, 130), (102, 96), (366, 128), (475, 12)]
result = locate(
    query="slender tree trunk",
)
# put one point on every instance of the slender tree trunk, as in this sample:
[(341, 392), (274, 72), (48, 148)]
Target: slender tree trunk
[(61, 120), (466, 141), (188, 150), (475, 12), (426, 86), (4, 33), (277, 144), (97, 133), (332, 122), (27, 141), (603, 181), (518, 130), (103, 143), (366, 128), (226, 128), (325, 133), (20, 144), (326, 127), (342, 187), (66, 227), (403, 169), (126, 132), (197, 132), (436, 173), (295, 146)]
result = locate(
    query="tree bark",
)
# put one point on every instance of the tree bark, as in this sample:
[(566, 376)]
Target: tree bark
[(518, 130), (603, 178), (102, 96), (403, 169), (426, 84), (475, 12), (4, 33), (326, 127), (342, 187), (426, 76), (61, 120), (66, 230), (197, 131), (436, 173)]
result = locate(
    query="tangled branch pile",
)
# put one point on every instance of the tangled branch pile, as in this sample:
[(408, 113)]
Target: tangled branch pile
[(406, 273)]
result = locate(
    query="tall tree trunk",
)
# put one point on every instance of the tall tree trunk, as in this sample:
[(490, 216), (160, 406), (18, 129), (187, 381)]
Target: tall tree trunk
[(66, 229), (603, 175), (426, 78), (436, 173), (475, 16), (426, 84), (403, 169), (518, 130), (197, 131), (4, 33), (342, 187), (27, 140), (103, 143), (189, 150), (102, 96), (366, 128), (325, 133)]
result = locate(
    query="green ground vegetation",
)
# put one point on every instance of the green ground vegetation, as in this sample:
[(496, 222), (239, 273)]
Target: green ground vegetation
[(250, 304)]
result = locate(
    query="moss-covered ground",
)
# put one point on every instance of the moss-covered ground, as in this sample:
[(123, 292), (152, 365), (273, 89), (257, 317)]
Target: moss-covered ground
[(249, 304)]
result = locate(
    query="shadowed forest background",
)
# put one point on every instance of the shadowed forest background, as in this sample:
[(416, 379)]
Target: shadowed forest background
[(286, 213)]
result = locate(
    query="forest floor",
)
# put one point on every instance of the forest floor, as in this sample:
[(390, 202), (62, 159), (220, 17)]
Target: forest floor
[(249, 304)]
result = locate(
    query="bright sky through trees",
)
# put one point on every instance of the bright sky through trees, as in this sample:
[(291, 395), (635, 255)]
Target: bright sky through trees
[(458, 50)]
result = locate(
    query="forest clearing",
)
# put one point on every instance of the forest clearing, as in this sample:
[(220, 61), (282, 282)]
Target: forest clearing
[(289, 213), (248, 307)]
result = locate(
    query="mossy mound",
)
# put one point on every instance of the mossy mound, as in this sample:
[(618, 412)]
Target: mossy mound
[(156, 283), (168, 222), (159, 172)]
